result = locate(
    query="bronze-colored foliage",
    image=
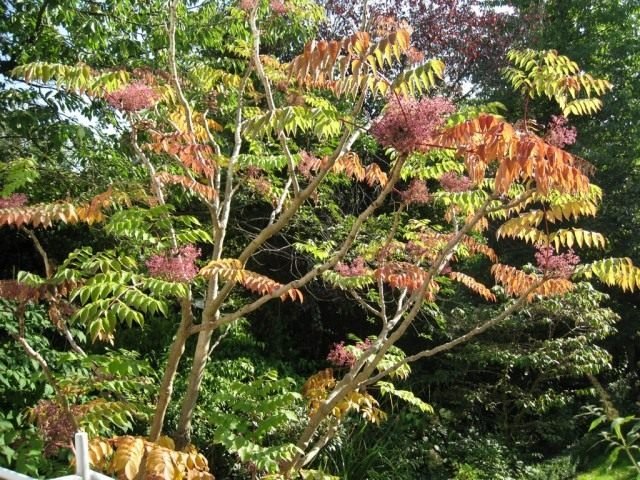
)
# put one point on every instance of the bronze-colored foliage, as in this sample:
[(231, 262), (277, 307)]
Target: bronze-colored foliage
[(192, 185), (406, 275), (323, 61), (45, 214), (521, 156), (427, 245), (351, 165), (473, 284), (517, 283), (351, 65), (192, 153), (232, 270), (476, 247)]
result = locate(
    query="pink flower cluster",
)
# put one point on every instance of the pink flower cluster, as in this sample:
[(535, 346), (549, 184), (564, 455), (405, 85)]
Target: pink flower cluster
[(176, 265), (452, 182), (133, 97), (408, 124), (15, 200), (343, 356), (247, 5), (558, 133), (556, 266), (279, 7), (356, 268), (417, 193)]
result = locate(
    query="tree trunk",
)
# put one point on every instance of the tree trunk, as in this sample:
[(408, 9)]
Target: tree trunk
[(182, 436), (175, 354)]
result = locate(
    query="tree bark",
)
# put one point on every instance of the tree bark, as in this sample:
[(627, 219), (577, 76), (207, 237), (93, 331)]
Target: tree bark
[(175, 354)]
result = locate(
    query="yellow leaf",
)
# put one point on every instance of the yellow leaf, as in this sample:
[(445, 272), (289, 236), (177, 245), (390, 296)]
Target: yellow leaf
[(167, 442)]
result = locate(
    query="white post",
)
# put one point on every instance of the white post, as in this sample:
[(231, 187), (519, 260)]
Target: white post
[(82, 456)]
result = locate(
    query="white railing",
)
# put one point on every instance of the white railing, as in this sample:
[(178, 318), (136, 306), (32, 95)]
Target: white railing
[(83, 471)]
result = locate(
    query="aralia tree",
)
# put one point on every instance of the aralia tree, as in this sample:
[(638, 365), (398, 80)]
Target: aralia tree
[(247, 123)]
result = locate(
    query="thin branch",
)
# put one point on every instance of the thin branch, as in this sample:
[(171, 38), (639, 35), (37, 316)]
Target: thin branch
[(255, 56), (72, 342), (265, 234), (382, 303), (344, 145), (457, 341), (415, 301), (43, 254), (156, 186), (173, 20), (35, 355), (321, 443), (60, 324), (361, 301), (281, 200), (222, 336), (173, 66), (212, 140), (514, 203), (225, 208)]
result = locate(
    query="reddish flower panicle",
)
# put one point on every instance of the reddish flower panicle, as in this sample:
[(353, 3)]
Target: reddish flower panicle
[(176, 266), (278, 7), (15, 200), (409, 124), (557, 266), (356, 268), (247, 5), (343, 356), (339, 356), (416, 193), (558, 133), (452, 182), (133, 98)]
